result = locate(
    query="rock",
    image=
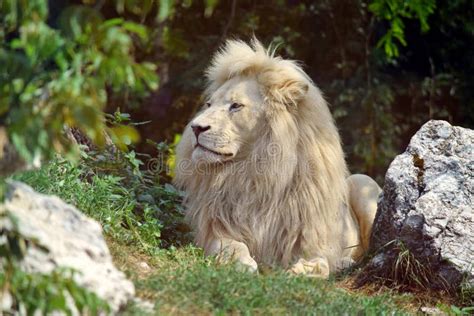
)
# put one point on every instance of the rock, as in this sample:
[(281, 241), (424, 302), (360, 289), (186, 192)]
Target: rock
[(427, 208), (144, 266), (432, 311), (145, 307), (70, 239), (10, 160)]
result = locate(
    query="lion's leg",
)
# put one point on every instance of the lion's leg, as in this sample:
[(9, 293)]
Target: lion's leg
[(229, 250), (363, 196), (317, 267)]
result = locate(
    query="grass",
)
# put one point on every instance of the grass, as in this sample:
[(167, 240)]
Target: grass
[(178, 279), (182, 281), (129, 206), (409, 273), (99, 196)]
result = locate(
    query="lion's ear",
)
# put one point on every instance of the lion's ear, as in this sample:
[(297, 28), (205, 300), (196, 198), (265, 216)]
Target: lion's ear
[(287, 91), (293, 91)]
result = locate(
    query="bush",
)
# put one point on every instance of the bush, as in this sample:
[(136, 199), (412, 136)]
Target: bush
[(60, 69)]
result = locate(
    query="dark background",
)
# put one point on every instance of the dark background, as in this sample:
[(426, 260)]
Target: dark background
[(378, 101)]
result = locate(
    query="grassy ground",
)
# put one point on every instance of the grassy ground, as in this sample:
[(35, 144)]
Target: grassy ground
[(179, 279), (182, 281)]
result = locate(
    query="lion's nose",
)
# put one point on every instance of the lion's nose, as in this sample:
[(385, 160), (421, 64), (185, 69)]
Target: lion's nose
[(198, 129)]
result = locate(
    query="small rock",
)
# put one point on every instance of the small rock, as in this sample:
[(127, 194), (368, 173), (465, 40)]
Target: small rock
[(6, 301), (432, 311), (144, 266), (145, 306)]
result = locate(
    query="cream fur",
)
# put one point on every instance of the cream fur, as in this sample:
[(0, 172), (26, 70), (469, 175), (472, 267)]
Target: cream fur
[(274, 191)]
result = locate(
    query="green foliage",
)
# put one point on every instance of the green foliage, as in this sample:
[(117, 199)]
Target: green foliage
[(394, 12), (62, 75), (129, 203), (100, 196), (47, 293), (122, 130), (455, 310), (31, 293)]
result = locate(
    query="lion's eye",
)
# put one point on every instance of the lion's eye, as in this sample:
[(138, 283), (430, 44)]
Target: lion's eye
[(235, 106), (208, 105)]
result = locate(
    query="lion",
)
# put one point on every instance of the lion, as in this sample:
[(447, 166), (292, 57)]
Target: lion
[(263, 169)]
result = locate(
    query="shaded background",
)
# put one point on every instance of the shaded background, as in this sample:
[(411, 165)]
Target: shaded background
[(385, 66), (378, 103)]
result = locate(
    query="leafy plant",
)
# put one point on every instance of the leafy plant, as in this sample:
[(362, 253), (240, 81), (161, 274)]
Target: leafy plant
[(394, 12), (62, 74), (129, 202)]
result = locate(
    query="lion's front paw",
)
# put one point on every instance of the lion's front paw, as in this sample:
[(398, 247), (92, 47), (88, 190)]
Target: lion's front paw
[(247, 264), (243, 262), (228, 251), (317, 267)]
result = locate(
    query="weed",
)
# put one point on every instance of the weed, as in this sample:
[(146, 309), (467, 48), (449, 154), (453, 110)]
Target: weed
[(408, 271)]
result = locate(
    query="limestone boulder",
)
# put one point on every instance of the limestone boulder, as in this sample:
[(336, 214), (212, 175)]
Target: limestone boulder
[(65, 237), (426, 210)]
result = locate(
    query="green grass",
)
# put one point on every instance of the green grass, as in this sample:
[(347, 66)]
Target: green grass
[(181, 280), (188, 283), (129, 206), (99, 196)]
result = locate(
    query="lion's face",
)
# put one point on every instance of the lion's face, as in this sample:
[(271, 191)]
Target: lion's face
[(228, 123)]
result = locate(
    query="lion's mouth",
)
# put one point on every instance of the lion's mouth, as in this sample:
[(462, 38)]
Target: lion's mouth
[(212, 151)]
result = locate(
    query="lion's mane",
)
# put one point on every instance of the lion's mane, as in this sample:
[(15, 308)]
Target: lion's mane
[(289, 202)]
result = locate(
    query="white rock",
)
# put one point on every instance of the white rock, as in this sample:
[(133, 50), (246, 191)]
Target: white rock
[(72, 239), (144, 266), (427, 203)]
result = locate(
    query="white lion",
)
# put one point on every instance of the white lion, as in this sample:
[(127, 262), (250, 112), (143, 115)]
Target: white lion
[(264, 172)]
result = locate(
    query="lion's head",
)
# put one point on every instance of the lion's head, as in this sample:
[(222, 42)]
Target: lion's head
[(229, 123), (242, 101), (273, 163)]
